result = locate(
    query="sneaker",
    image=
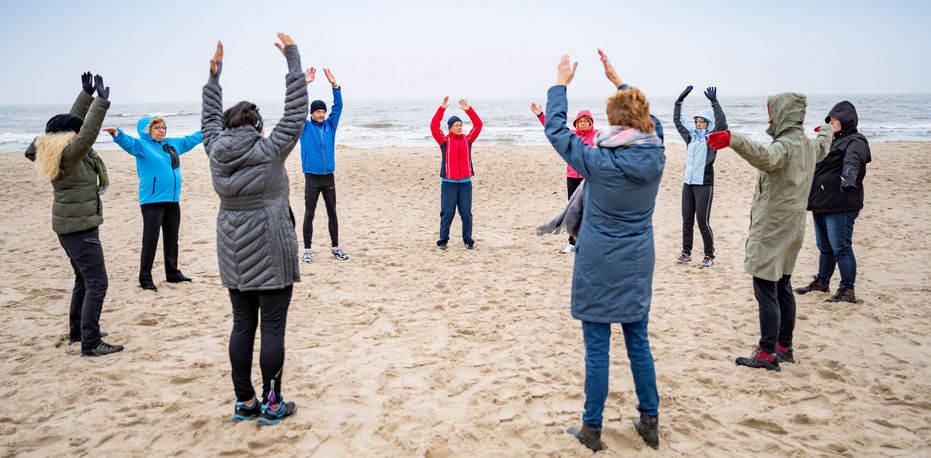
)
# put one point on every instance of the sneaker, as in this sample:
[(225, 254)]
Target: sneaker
[(843, 295), (784, 354), (589, 436), (648, 428), (707, 262), (760, 359), (72, 340), (570, 248), (338, 253), (441, 244), (247, 410), (308, 256), (816, 285), (470, 245), (102, 349), (684, 259), (273, 413)]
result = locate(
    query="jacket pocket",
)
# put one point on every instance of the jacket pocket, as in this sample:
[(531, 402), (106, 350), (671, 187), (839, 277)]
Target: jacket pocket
[(154, 179)]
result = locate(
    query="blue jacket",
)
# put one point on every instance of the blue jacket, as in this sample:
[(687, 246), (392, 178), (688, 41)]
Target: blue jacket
[(612, 281), (318, 139), (699, 161), (158, 181)]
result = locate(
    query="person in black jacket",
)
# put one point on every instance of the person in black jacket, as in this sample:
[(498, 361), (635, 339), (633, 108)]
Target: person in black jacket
[(835, 202)]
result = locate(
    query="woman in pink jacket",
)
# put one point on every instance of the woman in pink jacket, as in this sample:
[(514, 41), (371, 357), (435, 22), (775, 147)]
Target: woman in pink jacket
[(584, 128)]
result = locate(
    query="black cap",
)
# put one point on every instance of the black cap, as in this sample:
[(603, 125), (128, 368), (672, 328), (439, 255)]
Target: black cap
[(317, 105), (63, 123)]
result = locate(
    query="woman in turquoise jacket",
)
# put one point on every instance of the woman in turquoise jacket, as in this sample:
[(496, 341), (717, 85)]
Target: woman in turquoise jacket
[(158, 165)]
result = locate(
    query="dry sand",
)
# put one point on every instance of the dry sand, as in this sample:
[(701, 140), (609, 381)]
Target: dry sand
[(408, 351)]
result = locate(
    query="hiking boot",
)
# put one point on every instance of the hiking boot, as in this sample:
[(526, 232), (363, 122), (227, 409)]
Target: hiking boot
[(441, 245), (72, 340), (273, 413), (784, 354), (102, 349), (684, 259), (148, 286), (307, 256), (707, 262), (470, 245), (588, 436), (180, 278), (758, 359), (570, 248), (816, 285), (648, 428), (247, 410), (843, 295), (338, 253)]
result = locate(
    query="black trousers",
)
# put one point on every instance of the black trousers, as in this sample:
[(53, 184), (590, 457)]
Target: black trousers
[(164, 217), (777, 312), (272, 306), (314, 186), (90, 285), (571, 185), (696, 202)]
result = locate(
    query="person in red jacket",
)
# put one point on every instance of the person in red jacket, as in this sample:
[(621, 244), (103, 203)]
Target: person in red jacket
[(585, 129), (456, 171)]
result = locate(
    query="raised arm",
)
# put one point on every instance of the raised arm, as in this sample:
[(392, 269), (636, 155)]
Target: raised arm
[(211, 118), (677, 118), (128, 143), (538, 111), (337, 110), (570, 146), (85, 97), (187, 143), (720, 121), (473, 116), (288, 131), (435, 123), (84, 141), (768, 158)]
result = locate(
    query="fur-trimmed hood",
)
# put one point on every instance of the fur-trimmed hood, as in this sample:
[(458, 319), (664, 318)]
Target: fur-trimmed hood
[(48, 153)]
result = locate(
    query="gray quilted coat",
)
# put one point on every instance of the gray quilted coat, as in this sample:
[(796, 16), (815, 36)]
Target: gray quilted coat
[(256, 243)]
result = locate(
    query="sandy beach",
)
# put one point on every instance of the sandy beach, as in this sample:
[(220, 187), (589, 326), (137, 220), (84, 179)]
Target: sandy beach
[(405, 350)]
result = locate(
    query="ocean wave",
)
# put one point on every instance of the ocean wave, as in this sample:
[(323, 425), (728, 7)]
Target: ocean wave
[(378, 125), (17, 137)]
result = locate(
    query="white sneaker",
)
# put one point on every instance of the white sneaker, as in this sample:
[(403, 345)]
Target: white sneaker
[(338, 253), (307, 257), (570, 248)]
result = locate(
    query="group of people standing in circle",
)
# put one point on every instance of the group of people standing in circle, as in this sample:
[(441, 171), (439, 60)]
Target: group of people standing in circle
[(621, 165)]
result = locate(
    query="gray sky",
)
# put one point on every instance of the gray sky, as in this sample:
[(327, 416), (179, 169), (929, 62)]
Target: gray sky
[(159, 51)]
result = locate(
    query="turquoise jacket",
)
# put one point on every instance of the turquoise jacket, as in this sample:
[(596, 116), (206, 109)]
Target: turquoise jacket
[(158, 164)]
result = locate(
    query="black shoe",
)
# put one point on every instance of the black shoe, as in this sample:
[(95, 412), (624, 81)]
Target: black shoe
[(588, 436), (843, 295), (102, 349), (648, 428), (441, 245), (148, 286), (72, 340), (816, 285), (180, 278), (470, 245), (243, 412), (760, 359), (784, 354)]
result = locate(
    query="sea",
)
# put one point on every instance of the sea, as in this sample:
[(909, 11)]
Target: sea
[(405, 123)]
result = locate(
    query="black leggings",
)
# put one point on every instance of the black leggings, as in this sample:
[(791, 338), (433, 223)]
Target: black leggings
[(571, 185), (90, 285), (777, 312), (272, 305), (696, 201), (314, 185), (164, 217)]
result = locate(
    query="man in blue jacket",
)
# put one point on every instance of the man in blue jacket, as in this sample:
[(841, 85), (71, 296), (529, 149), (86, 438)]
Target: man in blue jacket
[(319, 162)]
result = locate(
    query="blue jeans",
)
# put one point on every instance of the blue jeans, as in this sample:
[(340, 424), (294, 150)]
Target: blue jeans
[(453, 196), (597, 348), (834, 235)]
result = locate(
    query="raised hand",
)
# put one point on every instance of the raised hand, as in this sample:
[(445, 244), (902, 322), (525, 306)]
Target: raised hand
[(565, 72), (684, 94), (217, 60), (102, 91), (285, 41), (87, 83), (464, 104), (111, 130), (445, 102), (719, 140), (309, 75), (536, 109), (712, 94), (610, 73), (330, 77)]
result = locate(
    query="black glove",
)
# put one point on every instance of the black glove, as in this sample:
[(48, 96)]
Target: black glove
[(86, 83), (847, 187), (684, 94), (712, 94), (102, 91)]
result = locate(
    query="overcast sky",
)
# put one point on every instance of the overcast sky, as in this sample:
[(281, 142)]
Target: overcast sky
[(159, 51)]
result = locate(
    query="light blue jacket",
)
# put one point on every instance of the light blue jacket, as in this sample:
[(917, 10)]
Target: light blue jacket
[(158, 180), (699, 162)]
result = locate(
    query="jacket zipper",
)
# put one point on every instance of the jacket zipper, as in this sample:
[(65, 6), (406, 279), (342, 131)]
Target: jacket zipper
[(153, 185)]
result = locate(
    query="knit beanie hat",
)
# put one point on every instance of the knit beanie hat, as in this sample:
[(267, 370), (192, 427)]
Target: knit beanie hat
[(317, 105), (452, 120)]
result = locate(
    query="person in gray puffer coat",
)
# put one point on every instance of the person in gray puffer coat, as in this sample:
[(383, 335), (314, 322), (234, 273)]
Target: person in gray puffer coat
[(256, 241)]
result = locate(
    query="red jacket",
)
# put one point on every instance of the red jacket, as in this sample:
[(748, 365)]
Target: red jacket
[(588, 137), (456, 149)]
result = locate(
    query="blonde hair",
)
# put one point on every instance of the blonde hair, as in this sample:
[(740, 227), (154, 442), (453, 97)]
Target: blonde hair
[(154, 121), (48, 153), (630, 108)]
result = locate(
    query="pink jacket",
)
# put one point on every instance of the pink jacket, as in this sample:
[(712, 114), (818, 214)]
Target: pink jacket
[(587, 137)]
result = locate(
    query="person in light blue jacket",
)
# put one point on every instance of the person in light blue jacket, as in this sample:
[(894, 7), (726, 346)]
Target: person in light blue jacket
[(158, 164), (698, 179), (318, 160)]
